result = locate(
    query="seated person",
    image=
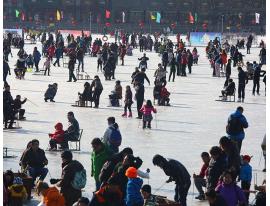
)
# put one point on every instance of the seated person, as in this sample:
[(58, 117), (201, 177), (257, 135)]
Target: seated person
[(157, 91), (51, 92), (149, 199), (20, 67), (57, 137), (164, 96), (229, 90), (116, 94), (17, 192), (261, 195), (34, 160), (73, 131), (29, 61), (18, 105), (86, 95)]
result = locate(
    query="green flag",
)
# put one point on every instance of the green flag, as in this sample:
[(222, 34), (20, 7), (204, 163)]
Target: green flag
[(196, 17), (17, 13)]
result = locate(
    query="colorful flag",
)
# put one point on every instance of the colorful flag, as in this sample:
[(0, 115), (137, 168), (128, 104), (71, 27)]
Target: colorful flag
[(158, 17), (257, 18), (17, 13), (58, 15), (108, 14), (123, 17), (22, 16), (191, 18), (152, 16)]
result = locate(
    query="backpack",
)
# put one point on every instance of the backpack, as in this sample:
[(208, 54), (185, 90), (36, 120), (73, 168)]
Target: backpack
[(234, 125), (115, 137), (79, 180)]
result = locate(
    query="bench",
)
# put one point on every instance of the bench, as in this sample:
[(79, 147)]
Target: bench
[(82, 75), (80, 103), (5, 153), (77, 143)]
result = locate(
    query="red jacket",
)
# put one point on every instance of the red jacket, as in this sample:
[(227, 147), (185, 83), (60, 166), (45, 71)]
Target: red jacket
[(51, 51), (184, 58), (58, 134), (224, 58), (164, 92), (204, 171), (147, 110)]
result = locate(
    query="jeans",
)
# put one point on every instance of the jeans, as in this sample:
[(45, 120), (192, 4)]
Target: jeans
[(127, 106), (35, 172), (200, 183), (181, 194), (57, 61), (184, 70), (96, 97), (81, 63), (245, 186), (71, 75), (36, 65), (256, 84), (172, 72)]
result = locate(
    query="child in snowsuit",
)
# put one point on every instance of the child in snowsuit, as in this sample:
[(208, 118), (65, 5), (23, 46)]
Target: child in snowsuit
[(47, 65), (51, 92), (128, 102), (57, 137), (147, 109), (17, 192), (246, 175), (18, 105), (133, 195), (164, 94)]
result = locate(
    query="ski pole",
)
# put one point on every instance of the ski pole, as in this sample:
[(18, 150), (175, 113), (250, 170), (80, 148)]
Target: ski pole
[(156, 119), (160, 187), (193, 190), (32, 102), (260, 159)]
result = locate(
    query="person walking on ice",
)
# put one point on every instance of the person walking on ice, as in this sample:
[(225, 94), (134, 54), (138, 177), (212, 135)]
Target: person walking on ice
[(147, 110)]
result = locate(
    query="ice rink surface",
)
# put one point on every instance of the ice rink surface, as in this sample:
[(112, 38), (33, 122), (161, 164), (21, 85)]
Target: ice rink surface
[(192, 124)]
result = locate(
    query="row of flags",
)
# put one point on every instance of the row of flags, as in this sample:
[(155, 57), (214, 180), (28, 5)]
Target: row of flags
[(155, 16)]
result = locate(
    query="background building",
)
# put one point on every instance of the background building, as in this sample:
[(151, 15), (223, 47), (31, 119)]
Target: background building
[(211, 15)]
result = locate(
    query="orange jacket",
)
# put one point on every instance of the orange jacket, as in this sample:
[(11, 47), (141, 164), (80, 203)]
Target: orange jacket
[(53, 197)]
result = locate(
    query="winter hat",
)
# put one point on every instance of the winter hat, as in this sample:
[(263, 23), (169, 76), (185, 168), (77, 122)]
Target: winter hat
[(17, 181), (67, 155), (131, 172), (247, 158)]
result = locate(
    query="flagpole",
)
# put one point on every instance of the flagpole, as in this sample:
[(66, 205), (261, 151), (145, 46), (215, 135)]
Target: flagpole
[(222, 23), (90, 22)]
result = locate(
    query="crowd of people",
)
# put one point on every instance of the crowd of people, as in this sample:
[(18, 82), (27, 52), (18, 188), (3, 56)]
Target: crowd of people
[(117, 174)]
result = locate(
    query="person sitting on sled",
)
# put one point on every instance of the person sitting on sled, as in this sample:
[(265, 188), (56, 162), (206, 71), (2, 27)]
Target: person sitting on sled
[(164, 96), (147, 110), (229, 90), (57, 137)]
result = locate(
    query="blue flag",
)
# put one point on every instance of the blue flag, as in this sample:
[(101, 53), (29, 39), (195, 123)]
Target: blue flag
[(158, 17)]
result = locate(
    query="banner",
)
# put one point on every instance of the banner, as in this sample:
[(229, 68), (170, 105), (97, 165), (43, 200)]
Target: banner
[(58, 15), (75, 33), (202, 38), (158, 17), (257, 18), (15, 32)]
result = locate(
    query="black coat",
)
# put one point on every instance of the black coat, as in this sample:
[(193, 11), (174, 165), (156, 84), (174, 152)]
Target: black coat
[(34, 159), (242, 78), (215, 169)]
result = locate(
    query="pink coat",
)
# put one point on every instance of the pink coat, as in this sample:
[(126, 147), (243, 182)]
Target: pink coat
[(147, 110)]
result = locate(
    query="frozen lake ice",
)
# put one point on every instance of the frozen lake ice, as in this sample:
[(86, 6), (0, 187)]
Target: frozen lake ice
[(193, 123)]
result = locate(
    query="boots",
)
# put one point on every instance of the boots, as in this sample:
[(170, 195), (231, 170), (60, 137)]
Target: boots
[(130, 114), (124, 115), (144, 124), (149, 125)]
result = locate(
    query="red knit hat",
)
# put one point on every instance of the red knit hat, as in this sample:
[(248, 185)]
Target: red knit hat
[(131, 172), (247, 158)]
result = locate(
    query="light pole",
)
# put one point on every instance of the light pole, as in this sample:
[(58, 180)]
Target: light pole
[(222, 16), (90, 22)]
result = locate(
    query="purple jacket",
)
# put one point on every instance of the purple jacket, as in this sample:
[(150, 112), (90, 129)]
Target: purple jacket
[(232, 193)]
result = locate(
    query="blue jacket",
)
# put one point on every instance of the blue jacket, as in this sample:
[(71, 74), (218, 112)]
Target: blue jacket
[(36, 56), (246, 173), (133, 195), (240, 135)]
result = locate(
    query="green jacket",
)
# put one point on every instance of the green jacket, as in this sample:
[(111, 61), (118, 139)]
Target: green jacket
[(97, 162)]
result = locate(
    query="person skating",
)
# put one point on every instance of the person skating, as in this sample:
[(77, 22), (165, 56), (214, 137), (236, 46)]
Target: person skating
[(96, 88), (237, 122), (199, 179), (143, 61), (128, 102), (147, 110), (242, 81), (177, 173), (139, 95)]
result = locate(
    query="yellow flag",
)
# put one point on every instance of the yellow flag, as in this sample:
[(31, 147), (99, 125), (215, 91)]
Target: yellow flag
[(58, 15), (153, 17)]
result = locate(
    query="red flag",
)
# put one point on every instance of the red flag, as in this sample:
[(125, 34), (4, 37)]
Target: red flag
[(108, 24), (23, 16), (108, 14), (191, 18), (141, 24)]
